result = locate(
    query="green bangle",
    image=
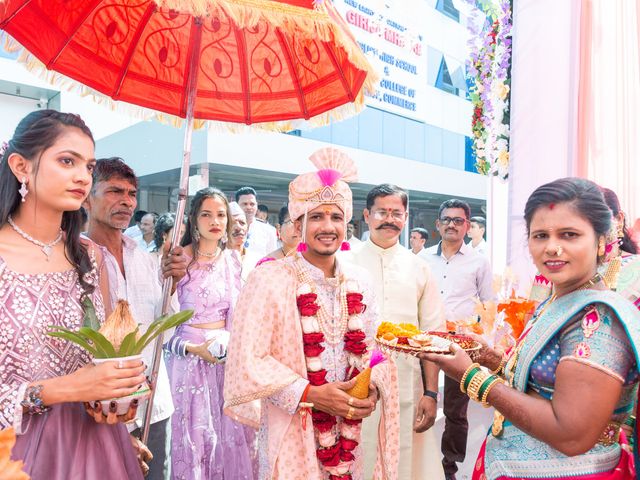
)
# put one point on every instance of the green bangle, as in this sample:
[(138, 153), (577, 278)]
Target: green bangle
[(485, 384), (630, 421), (470, 376)]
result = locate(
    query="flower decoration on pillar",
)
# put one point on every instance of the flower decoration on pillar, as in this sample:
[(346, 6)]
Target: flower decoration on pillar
[(489, 71)]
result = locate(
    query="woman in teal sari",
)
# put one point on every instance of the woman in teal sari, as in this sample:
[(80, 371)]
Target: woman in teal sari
[(571, 380)]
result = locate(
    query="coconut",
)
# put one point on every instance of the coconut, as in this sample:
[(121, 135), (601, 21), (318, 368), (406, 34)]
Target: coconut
[(119, 324)]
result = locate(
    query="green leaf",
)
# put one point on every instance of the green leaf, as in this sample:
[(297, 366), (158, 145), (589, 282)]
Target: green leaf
[(78, 340), (166, 324), (151, 330), (128, 344), (99, 341), (90, 318)]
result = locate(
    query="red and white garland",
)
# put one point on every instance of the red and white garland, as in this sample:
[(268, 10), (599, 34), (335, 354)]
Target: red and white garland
[(335, 440)]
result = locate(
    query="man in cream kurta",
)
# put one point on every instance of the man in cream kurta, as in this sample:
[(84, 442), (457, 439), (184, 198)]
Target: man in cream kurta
[(406, 293)]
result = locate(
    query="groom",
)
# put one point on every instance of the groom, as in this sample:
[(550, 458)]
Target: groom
[(301, 328)]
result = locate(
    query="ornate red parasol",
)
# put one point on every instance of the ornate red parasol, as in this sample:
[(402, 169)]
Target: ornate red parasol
[(252, 61), (263, 62)]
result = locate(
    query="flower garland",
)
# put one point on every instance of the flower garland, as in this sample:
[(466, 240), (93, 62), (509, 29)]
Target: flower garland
[(335, 443), (489, 68)]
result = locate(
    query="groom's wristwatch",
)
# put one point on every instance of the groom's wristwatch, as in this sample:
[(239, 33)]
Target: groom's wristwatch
[(431, 393)]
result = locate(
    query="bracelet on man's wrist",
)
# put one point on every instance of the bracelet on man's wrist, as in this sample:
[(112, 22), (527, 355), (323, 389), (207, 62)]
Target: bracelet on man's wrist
[(431, 394)]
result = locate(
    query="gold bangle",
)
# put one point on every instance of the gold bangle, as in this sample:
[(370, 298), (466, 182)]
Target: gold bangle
[(475, 384), (485, 395), (500, 369), (466, 374)]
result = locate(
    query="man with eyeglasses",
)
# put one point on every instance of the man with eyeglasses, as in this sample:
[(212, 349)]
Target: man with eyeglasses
[(463, 275), (406, 293)]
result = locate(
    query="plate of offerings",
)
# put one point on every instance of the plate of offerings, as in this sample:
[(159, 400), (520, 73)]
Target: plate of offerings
[(407, 338), (465, 342)]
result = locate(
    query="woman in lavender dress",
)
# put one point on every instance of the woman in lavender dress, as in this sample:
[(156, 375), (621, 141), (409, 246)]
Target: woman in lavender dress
[(45, 272), (206, 444)]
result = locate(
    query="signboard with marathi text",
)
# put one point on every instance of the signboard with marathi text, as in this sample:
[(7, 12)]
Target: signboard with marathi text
[(388, 33)]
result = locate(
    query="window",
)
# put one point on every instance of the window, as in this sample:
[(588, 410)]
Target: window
[(446, 7), (469, 156), (443, 80)]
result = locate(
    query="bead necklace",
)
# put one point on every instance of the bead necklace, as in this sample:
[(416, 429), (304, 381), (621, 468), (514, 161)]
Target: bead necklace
[(208, 255), (327, 326), (47, 248)]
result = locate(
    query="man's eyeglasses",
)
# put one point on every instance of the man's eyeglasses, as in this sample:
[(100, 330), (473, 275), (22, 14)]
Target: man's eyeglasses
[(457, 221), (384, 214)]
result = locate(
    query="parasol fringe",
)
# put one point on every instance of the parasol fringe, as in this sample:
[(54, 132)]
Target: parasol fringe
[(36, 67)]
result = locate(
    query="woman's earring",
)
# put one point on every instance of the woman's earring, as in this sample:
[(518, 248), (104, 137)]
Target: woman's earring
[(196, 235), (601, 249), (23, 188)]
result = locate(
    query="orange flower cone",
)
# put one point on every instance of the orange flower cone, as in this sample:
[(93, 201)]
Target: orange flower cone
[(361, 388), (363, 379)]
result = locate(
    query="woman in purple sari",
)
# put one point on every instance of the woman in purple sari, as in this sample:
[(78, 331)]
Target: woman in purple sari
[(46, 271), (206, 444)]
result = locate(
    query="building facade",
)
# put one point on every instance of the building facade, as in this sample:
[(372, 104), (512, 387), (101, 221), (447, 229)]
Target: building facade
[(414, 131)]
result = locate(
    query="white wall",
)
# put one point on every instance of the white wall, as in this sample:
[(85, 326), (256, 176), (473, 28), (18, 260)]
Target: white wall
[(101, 119), (13, 110), (543, 108)]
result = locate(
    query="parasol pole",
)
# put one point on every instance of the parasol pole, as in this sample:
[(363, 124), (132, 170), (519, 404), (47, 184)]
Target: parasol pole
[(183, 195)]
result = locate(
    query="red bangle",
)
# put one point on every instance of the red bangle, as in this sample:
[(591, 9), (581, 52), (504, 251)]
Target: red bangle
[(305, 408), (305, 393)]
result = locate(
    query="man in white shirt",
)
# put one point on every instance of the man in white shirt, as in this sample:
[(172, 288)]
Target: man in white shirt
[(133, 276), (134, 231), (262, 215), (418, 239), (261, 237), (238, 237), (406, 293), (351, 237), (147, 225), (477, 227), (463, 275)]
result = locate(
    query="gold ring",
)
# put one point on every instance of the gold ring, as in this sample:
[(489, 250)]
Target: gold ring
[(350, 402), (350, 413)]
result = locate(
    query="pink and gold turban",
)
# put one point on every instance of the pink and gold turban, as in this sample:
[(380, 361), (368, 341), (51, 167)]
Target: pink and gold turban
[(326, 186)]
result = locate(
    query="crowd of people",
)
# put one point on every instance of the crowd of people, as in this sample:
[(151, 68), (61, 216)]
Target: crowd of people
[(257, 383)]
